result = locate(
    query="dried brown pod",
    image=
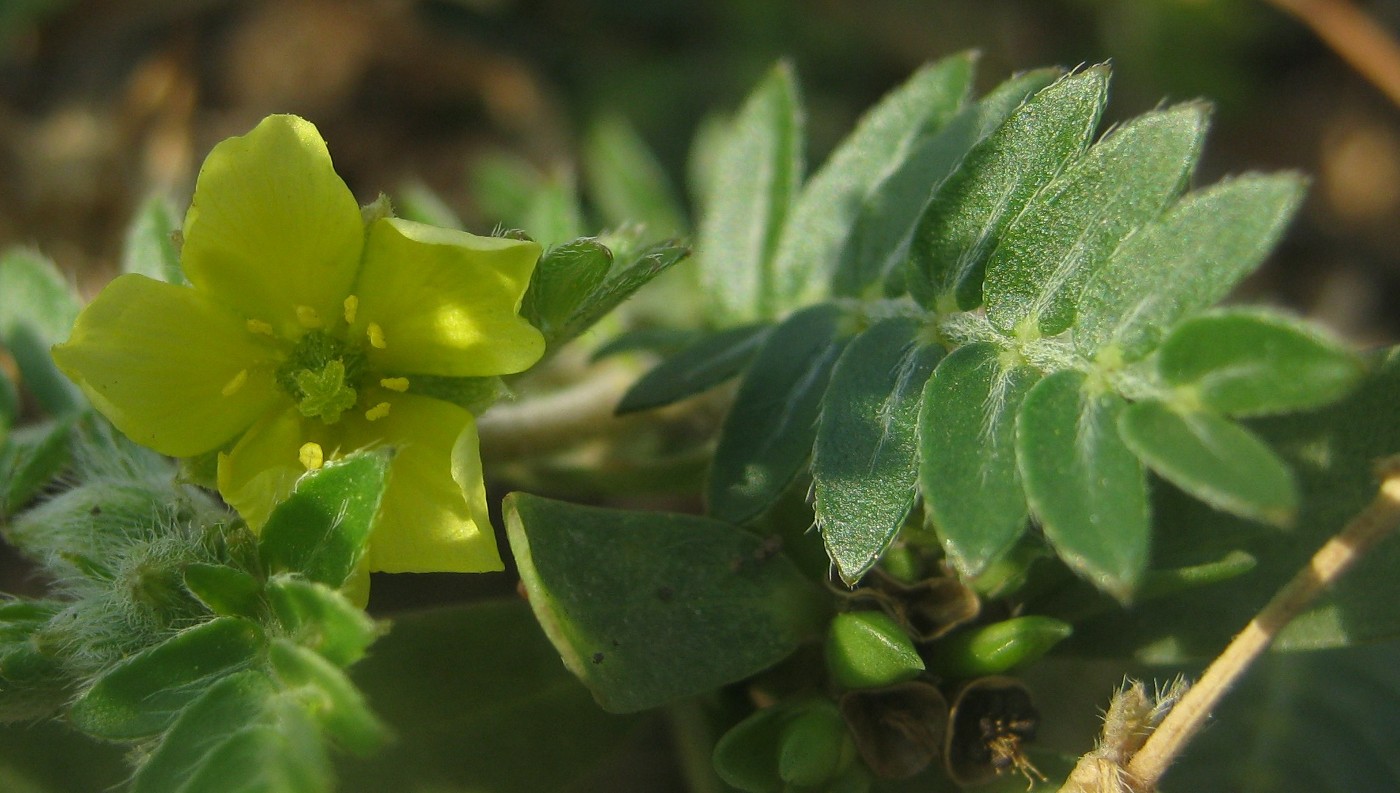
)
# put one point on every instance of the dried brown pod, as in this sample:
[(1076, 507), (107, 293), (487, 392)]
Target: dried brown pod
[(929, 609), (991, 720), (898, 730)]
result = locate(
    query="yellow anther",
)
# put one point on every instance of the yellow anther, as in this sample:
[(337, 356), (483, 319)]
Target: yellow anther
[(399, 384), (308, 317), (376, 336), (259, 327), (377, 412), (234, 385), (311, 456), (352, 307)]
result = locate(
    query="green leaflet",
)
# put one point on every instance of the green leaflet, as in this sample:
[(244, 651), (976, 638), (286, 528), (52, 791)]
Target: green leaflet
[(30, 457), (37, 313), (552, 216), (627, 182), (768, 434), (280, 753), (472, 693), (637, 602), (322, 529), (966, 216), (150, 245), (321, 619), (879, 242), (1086, 488), (1213, 459), (230, 705), (864, 463), (145, 693), (967, 454), (1250, 362), (416, 201), (327, 695), (1183, 262), (756, 174), (1331, 452), (1069, 230), (830, 202), (696, 368), (226, 591)]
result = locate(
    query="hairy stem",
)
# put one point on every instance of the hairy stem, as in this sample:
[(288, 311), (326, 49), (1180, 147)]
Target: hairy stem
[(1327, 565)]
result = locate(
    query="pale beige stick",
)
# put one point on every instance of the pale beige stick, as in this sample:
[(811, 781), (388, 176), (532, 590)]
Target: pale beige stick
[(1327, 565), (1355, 37)]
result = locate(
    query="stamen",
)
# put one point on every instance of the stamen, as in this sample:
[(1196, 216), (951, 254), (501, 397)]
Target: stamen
[(311, 456), (352, 307), (399, 384), (259, 327), (235, 385), (377, 412), (308, 317), (376, 336)]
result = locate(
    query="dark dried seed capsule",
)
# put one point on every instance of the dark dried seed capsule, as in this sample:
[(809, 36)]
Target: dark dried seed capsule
[(991, 721), (898, 730)]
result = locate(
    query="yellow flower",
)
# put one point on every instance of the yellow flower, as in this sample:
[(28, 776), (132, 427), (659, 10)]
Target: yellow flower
[(300, 338)]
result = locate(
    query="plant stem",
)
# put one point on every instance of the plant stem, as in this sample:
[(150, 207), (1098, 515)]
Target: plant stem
[(1327, 565), (694, 743), (558, 420), (1355, 37)]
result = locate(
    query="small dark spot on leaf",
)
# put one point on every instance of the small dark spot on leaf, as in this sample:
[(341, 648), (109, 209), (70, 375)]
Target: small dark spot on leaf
[(665, 594), (597, 658)]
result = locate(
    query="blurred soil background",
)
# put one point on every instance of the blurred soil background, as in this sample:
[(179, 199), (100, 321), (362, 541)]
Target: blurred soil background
[(104, 102)]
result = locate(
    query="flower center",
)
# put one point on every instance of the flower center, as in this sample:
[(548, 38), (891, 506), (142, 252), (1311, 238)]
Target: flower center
[(323, 376)]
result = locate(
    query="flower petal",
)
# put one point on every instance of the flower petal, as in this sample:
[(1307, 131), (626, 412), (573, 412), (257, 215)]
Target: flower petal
[(263, 467), (169, 367), (272, 227), (445, 302), (426, 523)]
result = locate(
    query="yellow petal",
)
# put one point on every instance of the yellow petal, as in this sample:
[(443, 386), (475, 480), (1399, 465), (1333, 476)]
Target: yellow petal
[(445, 302), (263, 467), (170, 368), (272, 227), (426, 522)]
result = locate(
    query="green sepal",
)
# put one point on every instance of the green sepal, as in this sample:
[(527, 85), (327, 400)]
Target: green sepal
[(967, 454), (149, 248), (144, 694), (768, 435), (818, 233), (281, 752), (997, 648), (37, 312), (696, 368), (563, 278), (645, 265), (327, 695), (865, 457), (320, 618), (1248, 362), (1213, 459), (965, 217), (757, 170), (1072, 226), (1083, 484), (637, 602), (322, 529), (227, 591), (868, 649), (815, 746)]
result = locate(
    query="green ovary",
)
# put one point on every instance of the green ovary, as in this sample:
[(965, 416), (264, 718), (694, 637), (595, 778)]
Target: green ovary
[(322, 376)]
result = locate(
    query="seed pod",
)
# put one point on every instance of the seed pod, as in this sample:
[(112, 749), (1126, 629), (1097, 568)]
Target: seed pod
[(991, 720), (999, 647), (897, 730), (868, 649)]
